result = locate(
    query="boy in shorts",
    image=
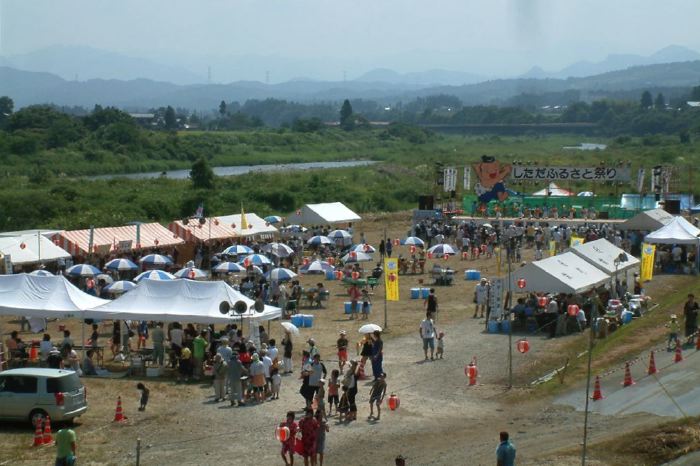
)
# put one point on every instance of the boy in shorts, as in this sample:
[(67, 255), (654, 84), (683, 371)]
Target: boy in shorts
[(376, 396), (342, 345)]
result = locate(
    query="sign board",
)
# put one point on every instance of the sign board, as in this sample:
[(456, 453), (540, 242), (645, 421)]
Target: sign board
[(601, 173), (103, 250), (449, 179), (124, 246), (496, 298), (7, 261)]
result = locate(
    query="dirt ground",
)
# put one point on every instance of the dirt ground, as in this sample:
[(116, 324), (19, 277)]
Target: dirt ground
[(441, 419)]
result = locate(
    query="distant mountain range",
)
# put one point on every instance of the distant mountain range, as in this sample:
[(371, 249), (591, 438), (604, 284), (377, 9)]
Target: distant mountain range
[(28, 88)]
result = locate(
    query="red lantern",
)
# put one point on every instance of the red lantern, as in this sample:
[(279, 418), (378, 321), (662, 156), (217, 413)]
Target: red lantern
[(267, 224), (446, 256), (394, 402), (156, 242), (233, 225), (572, 310), (355, 275), (475, 251), (392, 277), (246, 262), (397, 241), (175, 236), (282, 433), (523, 346), (483, 249), (56, 242), (298, 211), (366, 247), (216, 221), (470, 370), (542, 301), (138, 245), (331, 260), (306, 261), (353, 255), (412, 249), (339, 274), (191, 274), (22, 245), (522, 283)]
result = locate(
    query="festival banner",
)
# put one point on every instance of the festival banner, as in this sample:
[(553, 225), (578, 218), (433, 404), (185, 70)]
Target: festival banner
[(552, 248), (391, 278), (648, 251), (575, 241), (449, 179), (467, 178), (640, 180), (603, 173)]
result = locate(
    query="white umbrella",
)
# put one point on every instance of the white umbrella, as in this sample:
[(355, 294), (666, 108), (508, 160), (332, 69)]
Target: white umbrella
[(237, 249), (339, 234), (280, 274), (317, 240), (107, 278), (316, 266), (191, 273), (349, 258), (41, 273), (366, 248), (154, 275), (155, 260), (441, 250), (226, 267), (121, 286), (370, 328), (290, 327), (278, 249), (82, 270), (121, 265), (413, 241)]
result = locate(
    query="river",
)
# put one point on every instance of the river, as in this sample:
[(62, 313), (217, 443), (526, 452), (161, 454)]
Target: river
[(238, 170)]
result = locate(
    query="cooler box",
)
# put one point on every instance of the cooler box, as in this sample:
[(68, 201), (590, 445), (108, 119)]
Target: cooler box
[(348, 307), (154, 371), (424, 293), (415, 293), (505, 326), (298, 320), (330, 275), (493, 326), (473, 275), (308, 320)]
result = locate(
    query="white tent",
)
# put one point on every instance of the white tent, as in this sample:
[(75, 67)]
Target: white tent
[(31, 249), (35, 296), (256, 225), (677, 231), (182, 301), (563, 273), (553, 190), (602, 254), (323, 214), (649, 220)]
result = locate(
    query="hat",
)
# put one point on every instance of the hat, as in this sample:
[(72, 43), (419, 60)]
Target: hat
[(343, 332), (673, 316), (224, 339), (310, 341), (483, 279), (322, 381)]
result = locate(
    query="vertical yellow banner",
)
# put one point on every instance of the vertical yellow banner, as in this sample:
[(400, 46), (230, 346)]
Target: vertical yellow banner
[(552, 248), (391, 278), (648, 251), (575, 241)]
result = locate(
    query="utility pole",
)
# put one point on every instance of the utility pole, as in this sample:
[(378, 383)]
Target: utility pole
[(509, 299), (386, 322), (594, 316)]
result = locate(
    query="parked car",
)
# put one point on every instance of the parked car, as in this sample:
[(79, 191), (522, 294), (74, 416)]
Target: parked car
[(31, 393)]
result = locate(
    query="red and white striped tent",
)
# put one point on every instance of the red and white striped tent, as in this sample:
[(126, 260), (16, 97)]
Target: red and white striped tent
[(152, 235), (211, 229)]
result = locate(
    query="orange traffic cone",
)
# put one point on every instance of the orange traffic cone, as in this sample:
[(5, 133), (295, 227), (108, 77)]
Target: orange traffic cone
[(33, 354), (38, 438), (48, 438), (118, 414), (697, 342), (679, 352), (652, 364), (597, 394), (628, 376)]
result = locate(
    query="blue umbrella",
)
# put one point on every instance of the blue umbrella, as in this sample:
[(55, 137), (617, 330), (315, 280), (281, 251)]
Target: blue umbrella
[(255, 259), (273, 219), (155, 260), (41, 273), (316, 266), (154, 275), (121, 286), (82, 270), (237, 249), (121, 265), (442, 249), (366, 248), (339, 234), (317, 240), (192, 273), (353, 257), (413, 241), (280, 275), (226, 267)]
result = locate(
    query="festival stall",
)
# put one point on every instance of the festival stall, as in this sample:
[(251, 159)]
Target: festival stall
[(678, 231), (323, 214), (609, 258), (29, 249), (553, 190), (104, 241), (203, 230), (563, 273), (649, 220)]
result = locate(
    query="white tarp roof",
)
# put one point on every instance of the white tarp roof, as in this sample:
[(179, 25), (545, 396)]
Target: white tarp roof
[(649, 220), (180, 300), (553, 190), (256, 225), (322, 214), (33, 296), (602, 254), (37, 248), (563, 273), (678, 231)]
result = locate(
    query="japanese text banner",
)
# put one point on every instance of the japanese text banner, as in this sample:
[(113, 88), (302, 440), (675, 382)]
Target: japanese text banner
[(603, 173)]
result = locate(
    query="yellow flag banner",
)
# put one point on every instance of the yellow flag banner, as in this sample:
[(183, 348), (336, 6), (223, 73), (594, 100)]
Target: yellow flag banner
[(648, 251), (552, 248), (575, 241), (244, 222), (391, 278)]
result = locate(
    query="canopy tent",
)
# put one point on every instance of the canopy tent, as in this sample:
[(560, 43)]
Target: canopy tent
[(35, 296), (323, 214), (602, 254), (212, 229), (104, 240), (677, 231), (553, 190), (649, 220), (563, 273), (181, 301), (256, 225), (31, 249)]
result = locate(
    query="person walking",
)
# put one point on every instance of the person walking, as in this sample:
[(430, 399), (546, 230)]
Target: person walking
[(382, 249), (65, 447), (199, 346), (220, 373), (505, 453), (350, 384), (388, 247), (481, 296), (309, 432), (158, 338), (377, 354), (287, 352), (690, 315), (235, 372), (427, 333), (431, 304)]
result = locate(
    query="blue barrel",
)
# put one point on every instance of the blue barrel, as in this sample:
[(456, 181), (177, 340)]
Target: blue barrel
[(330, 275), (298, 320), (415, 293), (627, 318), (473, 275), (505, 326), (308, 320), (348, 307), (493, 326), (424, 292)]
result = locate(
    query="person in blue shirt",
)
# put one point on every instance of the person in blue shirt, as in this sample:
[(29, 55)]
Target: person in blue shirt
[(505, 453)]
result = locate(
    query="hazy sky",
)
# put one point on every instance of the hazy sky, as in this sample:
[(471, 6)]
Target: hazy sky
[(356, 35)]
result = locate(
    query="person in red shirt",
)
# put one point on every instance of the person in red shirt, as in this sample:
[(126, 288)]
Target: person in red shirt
[(288, 446), (309, 431)]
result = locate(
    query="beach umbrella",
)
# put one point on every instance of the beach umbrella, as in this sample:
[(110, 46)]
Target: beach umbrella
[(193, 273), (255, 259), (154, 275), (121, 286), (441, 250), (273, 219), (290, 327), (316, 266), (82, 270), (366, 248), (255, 270), (353, 256), (105, 277), (226, 267), (294, 229), (41, 273), (413, 241), (280, 274), (237, 249), (339, 234), (278, 249), (155, 260), (318, 240), (370, 328), (121, 265)]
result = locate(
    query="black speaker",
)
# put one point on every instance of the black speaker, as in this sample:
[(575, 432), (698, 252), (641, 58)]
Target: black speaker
[(425, 202), (672, 206), (604, 215)]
